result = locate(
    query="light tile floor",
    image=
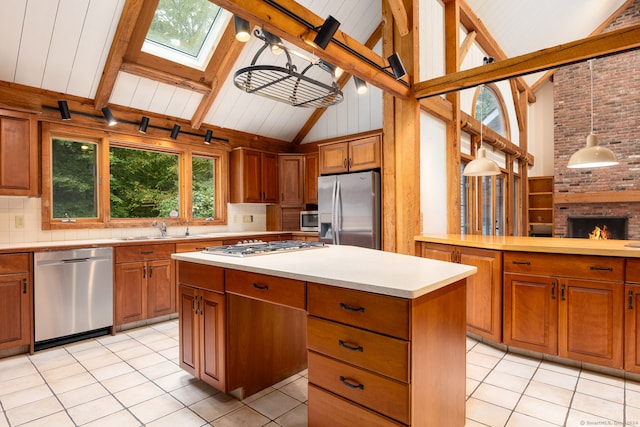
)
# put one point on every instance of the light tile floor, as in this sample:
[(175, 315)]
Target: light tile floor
[(133, 379)]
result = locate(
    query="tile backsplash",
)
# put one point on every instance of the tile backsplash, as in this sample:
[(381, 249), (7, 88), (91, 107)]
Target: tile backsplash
[(20, 222)]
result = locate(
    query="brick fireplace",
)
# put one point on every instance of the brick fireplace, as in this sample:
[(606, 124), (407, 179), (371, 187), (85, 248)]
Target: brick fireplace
[(611, 191)]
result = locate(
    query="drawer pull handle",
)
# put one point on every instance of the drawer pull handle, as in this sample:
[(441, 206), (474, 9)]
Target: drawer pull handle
[(146, 252), (349, 308), (350, 346), (553, 290), (521, 262), (630, 300), (349, 383), (596, 268), (562, 297), (261, 287)]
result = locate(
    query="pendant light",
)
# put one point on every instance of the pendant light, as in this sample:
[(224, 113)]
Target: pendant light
[(481, 166), (592, 156)]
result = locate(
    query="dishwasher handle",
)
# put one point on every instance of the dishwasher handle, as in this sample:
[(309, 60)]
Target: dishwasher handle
[(74, 260)]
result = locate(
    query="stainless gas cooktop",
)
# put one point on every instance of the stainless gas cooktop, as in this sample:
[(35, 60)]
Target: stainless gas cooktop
[(253, 247)]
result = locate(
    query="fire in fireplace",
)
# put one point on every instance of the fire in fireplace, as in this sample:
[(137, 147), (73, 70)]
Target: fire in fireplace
[(598, 227)]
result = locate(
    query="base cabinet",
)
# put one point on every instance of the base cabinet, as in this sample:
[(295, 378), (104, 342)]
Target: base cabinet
[(15, 300), (484, 289), (568, 305), (145, 286), (632, 316)]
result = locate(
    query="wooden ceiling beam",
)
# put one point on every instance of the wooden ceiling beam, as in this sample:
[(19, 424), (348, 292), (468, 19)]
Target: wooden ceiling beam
[(291, 21), (399, 16), (165, 77), (466, 45), (617, 41)]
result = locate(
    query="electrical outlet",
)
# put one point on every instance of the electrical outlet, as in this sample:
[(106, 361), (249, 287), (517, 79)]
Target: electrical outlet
[(19, 221), (247, 218)]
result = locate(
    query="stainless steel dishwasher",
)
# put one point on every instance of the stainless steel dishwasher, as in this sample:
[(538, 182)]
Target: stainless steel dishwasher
[(73, 295)]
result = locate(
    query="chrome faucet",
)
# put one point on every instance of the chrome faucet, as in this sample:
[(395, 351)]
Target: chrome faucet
[(186, 232), (162, 227)]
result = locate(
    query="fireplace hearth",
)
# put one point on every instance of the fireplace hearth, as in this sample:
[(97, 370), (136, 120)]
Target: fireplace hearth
[(608, 227)]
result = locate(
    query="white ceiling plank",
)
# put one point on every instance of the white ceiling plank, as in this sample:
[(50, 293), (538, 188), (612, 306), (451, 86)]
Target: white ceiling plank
[(12, 13), (36, 38), (95, 42), (161, 98), (64, 42), (144, 93), (178, 102), (124, 88), (191, 105)]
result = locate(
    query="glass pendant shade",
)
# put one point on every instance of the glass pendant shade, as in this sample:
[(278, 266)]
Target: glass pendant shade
[(592, 156), (481, 166)]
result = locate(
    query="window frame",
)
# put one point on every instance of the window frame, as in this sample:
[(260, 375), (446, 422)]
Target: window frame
[(104, 141)]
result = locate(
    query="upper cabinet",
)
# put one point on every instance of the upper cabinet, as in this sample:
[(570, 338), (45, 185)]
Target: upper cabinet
[(350, 156), (18, 153), (254, 176), (291, 170), (311, 173)]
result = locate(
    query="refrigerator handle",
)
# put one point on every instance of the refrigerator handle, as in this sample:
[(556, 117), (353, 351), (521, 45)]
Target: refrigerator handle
[(337, 224), (334, 226)]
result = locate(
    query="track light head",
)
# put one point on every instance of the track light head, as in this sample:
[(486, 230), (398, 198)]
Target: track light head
[(396, 66), (64, 110), (144, 123), (277, 47), (361, 85), (175, 131), (109, 117), (326, 32), (207, 136), (242, 27)]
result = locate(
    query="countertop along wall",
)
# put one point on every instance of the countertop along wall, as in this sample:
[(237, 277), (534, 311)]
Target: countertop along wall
[(15, 211)]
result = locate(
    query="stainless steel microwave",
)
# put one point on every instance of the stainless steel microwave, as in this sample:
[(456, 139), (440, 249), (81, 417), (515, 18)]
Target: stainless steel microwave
[(309, 221)]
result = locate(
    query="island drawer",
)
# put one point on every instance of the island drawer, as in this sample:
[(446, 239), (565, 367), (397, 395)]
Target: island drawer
[(343, 413), (385, 355), (196, 246), (143, 252), (14, 263), (379, 313), (632, 274), (388, 397), (277, 290), (201, 276), (575, 266)]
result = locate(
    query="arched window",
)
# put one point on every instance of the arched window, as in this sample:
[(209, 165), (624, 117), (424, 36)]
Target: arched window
[(490, 109)]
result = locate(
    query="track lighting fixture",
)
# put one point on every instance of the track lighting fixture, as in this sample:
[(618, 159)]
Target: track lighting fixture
[(64, 110), (109, 117), (275, 42), (242, 27), (326, 32), (361, 85), (395, 63), (329, 68), (144, 123), (207, 136), (175, 131)]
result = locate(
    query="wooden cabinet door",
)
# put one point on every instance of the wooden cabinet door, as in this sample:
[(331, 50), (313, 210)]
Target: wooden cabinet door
[(188, 329), (484, 292), (18, 154), (311, 173), (334, 158), (15, 313), (131, 292), (438, 252), (251, 176), (269, 178), (632, 328), (531, 312), (291, 169), (364, 154), (160, 289), (212, 314), (591, 321)]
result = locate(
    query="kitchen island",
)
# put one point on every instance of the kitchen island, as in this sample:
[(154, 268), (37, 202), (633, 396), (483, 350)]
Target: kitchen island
[(574, 299), (383, 334)]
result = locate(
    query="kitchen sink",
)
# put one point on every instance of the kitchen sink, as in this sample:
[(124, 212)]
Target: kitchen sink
[(138, 238)]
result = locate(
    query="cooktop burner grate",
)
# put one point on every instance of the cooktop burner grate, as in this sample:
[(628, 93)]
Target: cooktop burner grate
[(251, 248)]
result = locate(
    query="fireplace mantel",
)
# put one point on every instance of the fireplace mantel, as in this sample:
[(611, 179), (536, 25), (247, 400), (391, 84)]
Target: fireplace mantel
[(596, 197)]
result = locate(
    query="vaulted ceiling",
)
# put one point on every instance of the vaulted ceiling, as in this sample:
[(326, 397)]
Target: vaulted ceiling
[(82, 48)]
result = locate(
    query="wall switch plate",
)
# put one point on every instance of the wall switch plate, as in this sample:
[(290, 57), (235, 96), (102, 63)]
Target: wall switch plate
[(247, 218), (19, 221)]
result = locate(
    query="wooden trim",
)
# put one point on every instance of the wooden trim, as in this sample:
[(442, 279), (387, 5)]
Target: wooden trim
[(400, 16), (438, 107), (597, 197), (165, 77), (617, 41), (466, 45)]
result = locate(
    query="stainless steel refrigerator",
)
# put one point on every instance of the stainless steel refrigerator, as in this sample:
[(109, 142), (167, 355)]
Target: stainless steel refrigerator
[(349, 209)]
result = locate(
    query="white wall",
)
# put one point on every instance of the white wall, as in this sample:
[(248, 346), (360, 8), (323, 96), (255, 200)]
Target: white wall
[(541, 131), (433, 174)]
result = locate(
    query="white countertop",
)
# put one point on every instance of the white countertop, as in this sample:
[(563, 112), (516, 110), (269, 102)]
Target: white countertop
[(349, 267)]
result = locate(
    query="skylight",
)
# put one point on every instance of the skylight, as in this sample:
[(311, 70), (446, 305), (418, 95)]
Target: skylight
[(186, 31)]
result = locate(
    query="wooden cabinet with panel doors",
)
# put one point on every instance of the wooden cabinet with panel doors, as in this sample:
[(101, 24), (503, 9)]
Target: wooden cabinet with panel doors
[(311, 173), (145, 285), (632, 316), (569, 305), (350, 156), (202, 321), (16, 301), (19, 169), (254, 176), (484, 289)]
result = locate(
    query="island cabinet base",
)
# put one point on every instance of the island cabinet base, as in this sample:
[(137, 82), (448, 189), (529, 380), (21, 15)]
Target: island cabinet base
[(386, 361)]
